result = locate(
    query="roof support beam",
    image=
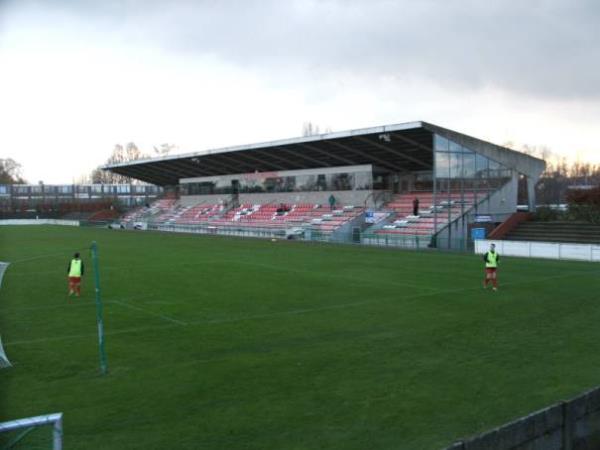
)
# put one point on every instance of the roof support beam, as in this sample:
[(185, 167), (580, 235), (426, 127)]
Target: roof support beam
[(190, 170), (392, 150), (381, 162), (236, 165), (412, 142), (145, 173), (345, 161), (283, 160), (157, 173), (267, 164), (211, 165), (172, 166), (294, 152)]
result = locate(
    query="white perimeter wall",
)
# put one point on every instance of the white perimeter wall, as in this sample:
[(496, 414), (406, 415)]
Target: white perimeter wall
[(549, 250), (73, 223)]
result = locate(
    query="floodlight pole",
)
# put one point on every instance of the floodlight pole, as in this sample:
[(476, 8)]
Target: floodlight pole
[(99, 320)]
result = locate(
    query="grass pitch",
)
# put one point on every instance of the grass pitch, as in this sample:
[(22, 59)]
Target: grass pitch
[(230, 343)]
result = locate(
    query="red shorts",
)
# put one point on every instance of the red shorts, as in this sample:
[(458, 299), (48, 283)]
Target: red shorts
[(490, 270), (75, 280)]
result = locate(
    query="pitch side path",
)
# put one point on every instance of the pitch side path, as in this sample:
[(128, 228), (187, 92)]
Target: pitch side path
[(223, 343)]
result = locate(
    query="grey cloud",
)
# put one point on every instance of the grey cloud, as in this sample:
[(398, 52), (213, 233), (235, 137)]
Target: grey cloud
[(547, 49)]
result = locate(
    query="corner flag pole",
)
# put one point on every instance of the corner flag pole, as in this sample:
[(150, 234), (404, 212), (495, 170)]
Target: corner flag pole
[(103, 363)]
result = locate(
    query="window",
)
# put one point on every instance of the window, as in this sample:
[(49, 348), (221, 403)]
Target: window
[(455, 165), (441, 144), (481, 166), (360, 179), (341, 182), (321, 183), (469, 165), (363, 181), (442, 165), (454, 147)]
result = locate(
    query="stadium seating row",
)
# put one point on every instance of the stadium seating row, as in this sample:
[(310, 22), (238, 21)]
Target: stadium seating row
[(161, 206), (271, 215), (318, 217), (431, 212)]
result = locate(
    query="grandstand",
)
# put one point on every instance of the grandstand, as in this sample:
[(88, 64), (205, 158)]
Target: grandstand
[(290, 183)]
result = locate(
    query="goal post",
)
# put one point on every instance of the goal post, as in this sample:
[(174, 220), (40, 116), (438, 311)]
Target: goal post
[(99, 314), (4, 362), (24, 426)]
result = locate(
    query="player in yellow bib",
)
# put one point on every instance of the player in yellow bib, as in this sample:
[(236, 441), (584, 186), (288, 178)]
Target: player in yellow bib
[(491, 258), (75, 271)]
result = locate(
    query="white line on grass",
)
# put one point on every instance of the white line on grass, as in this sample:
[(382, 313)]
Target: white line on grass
[(42, 307), (318, 273), (68, 251), (286, 313), (68, 303), (151, 313), (323, 274)]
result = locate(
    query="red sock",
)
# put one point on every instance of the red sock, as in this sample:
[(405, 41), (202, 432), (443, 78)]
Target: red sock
[(495, 282), (485, 282)]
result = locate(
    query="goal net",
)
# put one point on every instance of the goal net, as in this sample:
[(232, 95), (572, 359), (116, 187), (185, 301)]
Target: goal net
[(32, 433)]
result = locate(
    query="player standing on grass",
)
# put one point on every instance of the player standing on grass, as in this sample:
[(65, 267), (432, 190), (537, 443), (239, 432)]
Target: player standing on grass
[(491, 258), (75, 272)]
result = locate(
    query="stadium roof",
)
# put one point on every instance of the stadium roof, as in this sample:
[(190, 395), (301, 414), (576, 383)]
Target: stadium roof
[(405, 147)]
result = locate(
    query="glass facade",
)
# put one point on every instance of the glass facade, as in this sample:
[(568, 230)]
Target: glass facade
[(457, 167), (463, 178), (339, 179)]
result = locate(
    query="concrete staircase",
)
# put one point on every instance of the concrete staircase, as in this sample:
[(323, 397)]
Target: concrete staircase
[(568, 232)]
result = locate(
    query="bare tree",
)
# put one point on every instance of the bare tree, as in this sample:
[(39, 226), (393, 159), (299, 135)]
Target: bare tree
[(560, 174), (164, 149), (312, 129), (10, 171), (120, 154), (84, 179)]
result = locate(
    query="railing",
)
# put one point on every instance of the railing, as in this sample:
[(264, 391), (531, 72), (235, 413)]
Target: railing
[(304, 232), (464, 212), (228, 230), (380, 198), (398, 241), (462, 243)]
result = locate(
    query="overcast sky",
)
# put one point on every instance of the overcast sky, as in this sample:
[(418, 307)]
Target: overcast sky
[(79, 76)]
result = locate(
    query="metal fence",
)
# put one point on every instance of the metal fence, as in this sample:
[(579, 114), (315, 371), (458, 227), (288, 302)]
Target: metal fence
[(353, 235)]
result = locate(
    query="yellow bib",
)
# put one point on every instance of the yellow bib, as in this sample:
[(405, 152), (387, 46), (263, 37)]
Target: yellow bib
[(75, 270), (492, 260)]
